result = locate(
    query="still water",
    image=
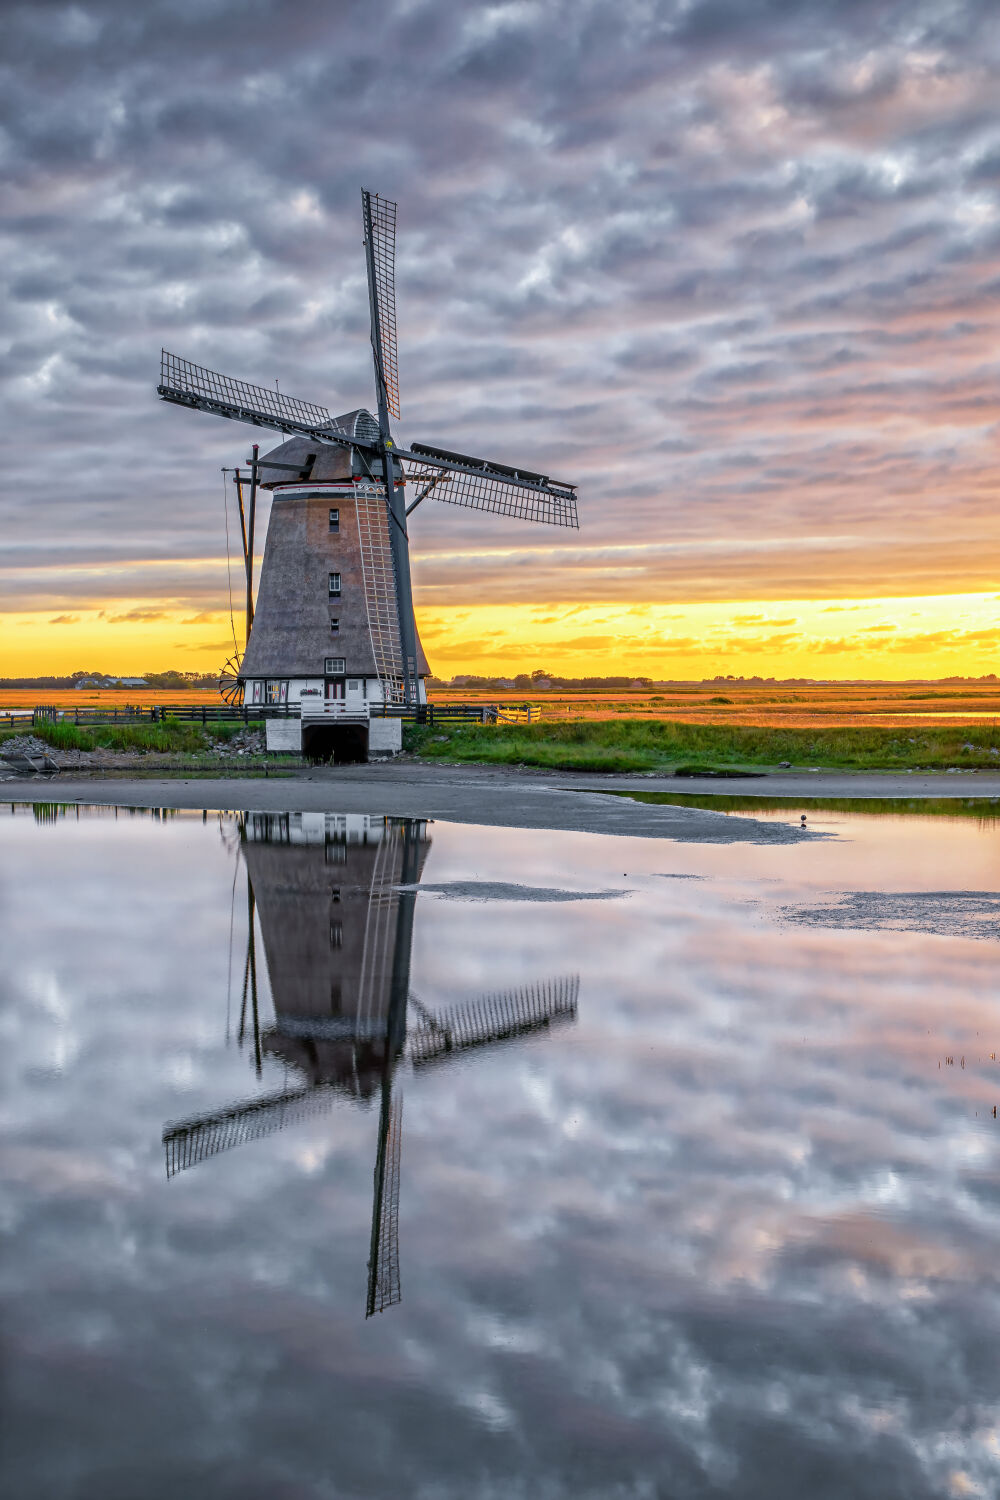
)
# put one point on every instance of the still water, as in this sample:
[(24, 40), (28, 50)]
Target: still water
[(358, 1157)]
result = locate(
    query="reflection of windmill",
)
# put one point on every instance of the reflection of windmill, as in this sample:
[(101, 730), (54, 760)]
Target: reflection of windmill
[(335, 898), (335, 604)]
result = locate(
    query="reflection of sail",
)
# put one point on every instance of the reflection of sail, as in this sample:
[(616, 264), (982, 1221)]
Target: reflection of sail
[(334, 897), (494, 1018), (189, 1141), (383, 1261)]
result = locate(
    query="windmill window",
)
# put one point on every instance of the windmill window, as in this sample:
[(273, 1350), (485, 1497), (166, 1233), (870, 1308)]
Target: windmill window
[(335, 625), (335, 520), (276, 692), (256, 691), (335, 893), (336, 854), (335, 666), (335, 583), (353, 685)]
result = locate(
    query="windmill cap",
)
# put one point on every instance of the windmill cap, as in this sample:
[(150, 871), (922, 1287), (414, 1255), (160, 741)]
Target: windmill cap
[(360, 425)]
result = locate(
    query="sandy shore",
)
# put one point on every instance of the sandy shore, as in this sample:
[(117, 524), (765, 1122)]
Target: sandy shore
[(503, 797)]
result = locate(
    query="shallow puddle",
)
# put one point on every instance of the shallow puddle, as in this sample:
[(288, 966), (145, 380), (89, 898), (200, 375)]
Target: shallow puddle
[(352, 1156)]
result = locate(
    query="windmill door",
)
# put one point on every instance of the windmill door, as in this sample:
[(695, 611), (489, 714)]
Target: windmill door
[(334, 688)]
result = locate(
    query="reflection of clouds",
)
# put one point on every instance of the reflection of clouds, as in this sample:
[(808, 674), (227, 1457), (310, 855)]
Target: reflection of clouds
[(734, 1229)]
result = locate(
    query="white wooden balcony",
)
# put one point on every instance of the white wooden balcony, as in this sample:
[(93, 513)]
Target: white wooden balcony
[(351, 710)]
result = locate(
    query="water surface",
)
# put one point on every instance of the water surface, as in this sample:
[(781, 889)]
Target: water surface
[(500, 1163)]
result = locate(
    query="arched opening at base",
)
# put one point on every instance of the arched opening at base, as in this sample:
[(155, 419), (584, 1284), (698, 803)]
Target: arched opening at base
[(343, 744)]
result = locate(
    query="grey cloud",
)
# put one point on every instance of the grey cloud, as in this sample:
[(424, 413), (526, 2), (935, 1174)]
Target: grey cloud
[(667, 250)]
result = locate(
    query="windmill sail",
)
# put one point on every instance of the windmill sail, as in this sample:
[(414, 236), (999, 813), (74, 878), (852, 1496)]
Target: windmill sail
[(380, 236), (188, 384), (481, 485)]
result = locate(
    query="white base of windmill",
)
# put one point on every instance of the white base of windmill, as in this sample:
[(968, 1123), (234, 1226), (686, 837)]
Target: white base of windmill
[(383, 737)]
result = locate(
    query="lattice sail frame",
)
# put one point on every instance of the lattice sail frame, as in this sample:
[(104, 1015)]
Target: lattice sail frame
[(188, 384), (494, 492), (381, 213)]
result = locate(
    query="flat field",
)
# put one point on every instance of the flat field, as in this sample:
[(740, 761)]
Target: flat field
[(103, 697), (823, 706), (852, 705)]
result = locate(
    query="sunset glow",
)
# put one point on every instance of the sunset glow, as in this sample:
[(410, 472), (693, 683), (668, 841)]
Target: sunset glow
[(891, 639)]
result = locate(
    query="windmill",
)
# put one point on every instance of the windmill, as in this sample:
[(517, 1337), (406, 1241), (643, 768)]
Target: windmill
[(334, 616), (335, 901)]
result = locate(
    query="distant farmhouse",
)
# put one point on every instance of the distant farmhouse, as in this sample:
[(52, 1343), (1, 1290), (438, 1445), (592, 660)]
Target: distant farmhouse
[(112, 682)]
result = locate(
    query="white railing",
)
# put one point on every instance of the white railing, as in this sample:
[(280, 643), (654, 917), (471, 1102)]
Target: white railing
[(333, 708)]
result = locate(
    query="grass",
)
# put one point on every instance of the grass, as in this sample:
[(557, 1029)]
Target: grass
[(170, 737), (665, 746)]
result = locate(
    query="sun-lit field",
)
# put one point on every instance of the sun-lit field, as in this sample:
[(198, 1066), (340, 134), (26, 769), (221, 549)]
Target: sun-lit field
[(799, 707), (729, 703), (68, 698)]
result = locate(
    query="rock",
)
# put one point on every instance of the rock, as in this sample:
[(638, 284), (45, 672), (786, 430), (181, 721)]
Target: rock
[(785, 765)]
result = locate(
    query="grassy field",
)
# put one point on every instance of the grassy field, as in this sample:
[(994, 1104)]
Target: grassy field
[(687, 728), (850, 705), (669, 746), (170, 737), (104, 697), (760, 705)]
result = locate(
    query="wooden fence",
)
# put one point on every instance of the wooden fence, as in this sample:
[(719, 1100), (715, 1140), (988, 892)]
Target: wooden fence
[(226, 713)]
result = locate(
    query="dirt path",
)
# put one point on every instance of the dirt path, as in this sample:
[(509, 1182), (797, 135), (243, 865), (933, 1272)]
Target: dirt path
[(502, 797)]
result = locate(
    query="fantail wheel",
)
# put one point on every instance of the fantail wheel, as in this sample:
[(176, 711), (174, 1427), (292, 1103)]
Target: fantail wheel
[(230, 682)]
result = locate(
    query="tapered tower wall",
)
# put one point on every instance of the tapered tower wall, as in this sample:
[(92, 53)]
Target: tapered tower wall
[(300, 625), (292, 635)]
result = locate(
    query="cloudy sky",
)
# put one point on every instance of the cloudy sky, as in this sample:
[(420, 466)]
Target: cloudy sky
[(731, 265)]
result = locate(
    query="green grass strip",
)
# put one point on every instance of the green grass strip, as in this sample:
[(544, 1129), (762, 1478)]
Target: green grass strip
[(664, 745)]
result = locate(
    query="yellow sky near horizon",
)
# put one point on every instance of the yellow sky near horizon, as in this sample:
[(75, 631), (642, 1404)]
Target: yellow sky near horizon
[(888, 638)]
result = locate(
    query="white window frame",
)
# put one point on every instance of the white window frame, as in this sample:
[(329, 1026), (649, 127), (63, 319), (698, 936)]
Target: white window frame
[(335, 666), (334, 588)]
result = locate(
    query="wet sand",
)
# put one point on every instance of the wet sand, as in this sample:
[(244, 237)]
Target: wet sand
[(505, 797)]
